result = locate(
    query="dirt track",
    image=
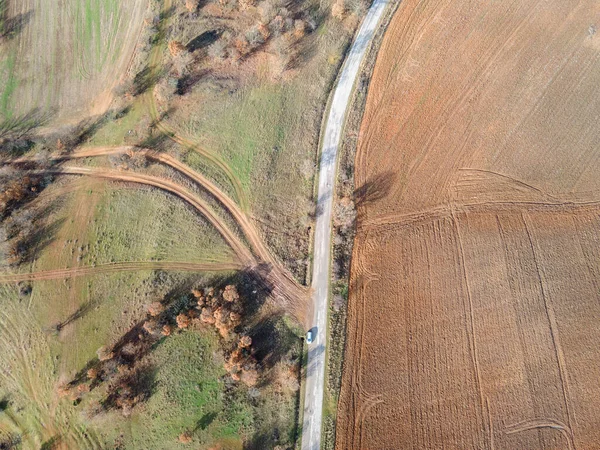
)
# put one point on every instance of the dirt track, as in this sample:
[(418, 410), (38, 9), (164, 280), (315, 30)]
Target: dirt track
[(156, 57), (132, 266), (475, 280), (288, 292), (238, 247), (240, 217)]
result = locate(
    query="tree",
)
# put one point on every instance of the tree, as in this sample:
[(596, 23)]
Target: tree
[(183, 320), (206, 315), (235, 318), (338, 10), (264, 31), (151, 327), (245, 4), (254, 38), (222, 322), (230, 293), (249, 376), (191, 5), (299, 28), (218, 50), (245, 342), (176, 48), (156, 308), (104, 353), (185, 437)]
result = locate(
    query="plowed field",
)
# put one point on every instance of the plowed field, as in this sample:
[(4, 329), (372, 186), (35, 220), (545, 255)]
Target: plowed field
[(475, 289)]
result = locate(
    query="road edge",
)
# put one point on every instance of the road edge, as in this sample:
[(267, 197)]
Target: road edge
[(328, 165)]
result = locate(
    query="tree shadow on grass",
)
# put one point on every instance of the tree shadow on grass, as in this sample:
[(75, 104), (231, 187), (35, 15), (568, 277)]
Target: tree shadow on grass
[(10, 27), (20, 126), (205, 421), (187, 82), (31, 245), (80, 313), (52, 443), (146, 79), (203, 40)]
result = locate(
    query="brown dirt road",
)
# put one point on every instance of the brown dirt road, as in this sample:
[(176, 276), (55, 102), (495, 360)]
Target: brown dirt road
[(240, 217), (475, 282)]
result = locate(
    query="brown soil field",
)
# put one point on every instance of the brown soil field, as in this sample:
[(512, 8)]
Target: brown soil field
[(475, 280)]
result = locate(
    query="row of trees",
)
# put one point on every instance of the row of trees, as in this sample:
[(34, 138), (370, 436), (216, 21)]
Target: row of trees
[(127, 375)]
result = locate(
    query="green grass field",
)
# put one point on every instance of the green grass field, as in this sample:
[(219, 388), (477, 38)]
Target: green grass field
[(103, 223), (268, 132), (189, 396), (66, 57), (32, 413)]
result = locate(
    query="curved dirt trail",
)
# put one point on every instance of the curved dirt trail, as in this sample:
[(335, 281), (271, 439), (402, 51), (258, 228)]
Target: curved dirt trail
[(241, 218), (127, 266), (278, 280), (234, 242), (148, 97)]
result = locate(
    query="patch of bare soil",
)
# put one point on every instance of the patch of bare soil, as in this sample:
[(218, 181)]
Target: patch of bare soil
[(474, 284)]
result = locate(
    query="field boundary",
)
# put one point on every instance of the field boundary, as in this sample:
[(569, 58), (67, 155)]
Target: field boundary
[(336, 335)]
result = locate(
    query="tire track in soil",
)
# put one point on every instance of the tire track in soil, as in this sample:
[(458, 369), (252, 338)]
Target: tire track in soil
[(241, 218), (126, 266), (383, 222), (285, 286), (553, 325), (470, 323), (232, 240), (150, 102), (291, 296), (534, 424), (509, 191)]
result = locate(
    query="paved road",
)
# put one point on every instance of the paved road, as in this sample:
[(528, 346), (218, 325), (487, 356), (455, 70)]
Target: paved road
[(313, 404)]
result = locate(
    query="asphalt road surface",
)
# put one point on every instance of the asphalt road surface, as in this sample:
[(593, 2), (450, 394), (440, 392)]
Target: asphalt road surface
[(313, 403)]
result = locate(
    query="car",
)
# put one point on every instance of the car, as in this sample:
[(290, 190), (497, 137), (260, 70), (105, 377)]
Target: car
[(310, 335)]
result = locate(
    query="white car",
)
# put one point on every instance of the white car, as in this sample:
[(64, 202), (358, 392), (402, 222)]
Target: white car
[(310, 335)]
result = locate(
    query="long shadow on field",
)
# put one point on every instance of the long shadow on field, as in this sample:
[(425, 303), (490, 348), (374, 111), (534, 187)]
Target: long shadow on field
[(81, 312), (203, 40), (10, 441), (18, 134), (51, 443), (20, 127), (376, 188), (146, 79), (307, 47), (30, 246), (88, 127), (10, 27), (187, 82)]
